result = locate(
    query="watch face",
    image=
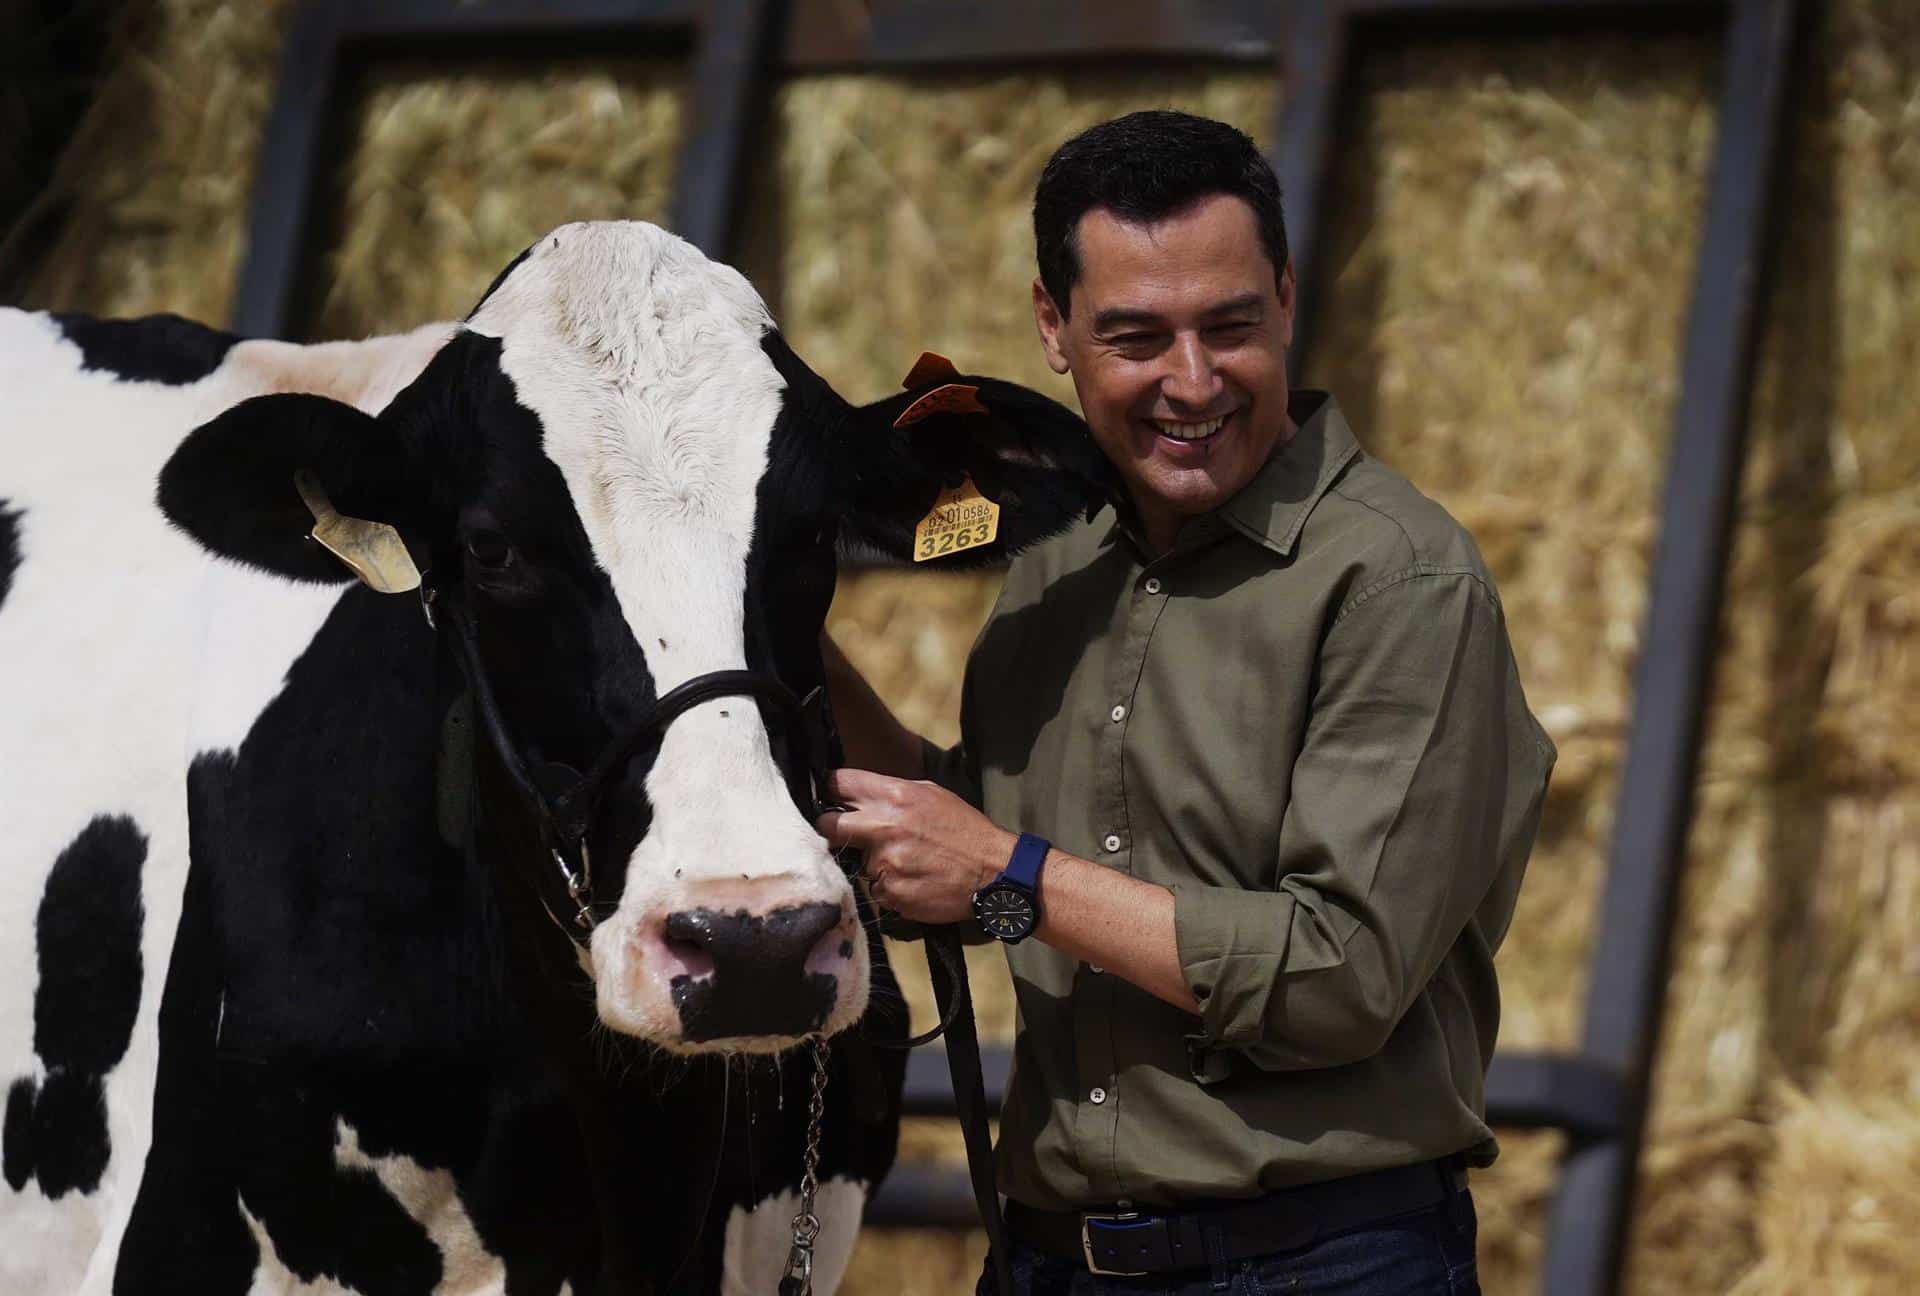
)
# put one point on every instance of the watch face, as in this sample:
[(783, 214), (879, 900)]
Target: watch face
[(1006, 912)]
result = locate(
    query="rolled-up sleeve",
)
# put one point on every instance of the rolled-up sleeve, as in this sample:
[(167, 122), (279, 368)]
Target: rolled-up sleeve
[(1414, 800)]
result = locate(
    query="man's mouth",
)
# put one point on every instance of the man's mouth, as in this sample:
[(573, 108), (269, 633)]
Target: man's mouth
[(1190, 433)]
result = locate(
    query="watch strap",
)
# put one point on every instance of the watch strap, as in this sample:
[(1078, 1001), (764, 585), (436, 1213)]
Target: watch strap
[(1023, 866)]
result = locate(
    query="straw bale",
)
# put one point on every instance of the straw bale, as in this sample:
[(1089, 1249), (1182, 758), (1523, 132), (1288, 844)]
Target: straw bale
[(1840, 1205)]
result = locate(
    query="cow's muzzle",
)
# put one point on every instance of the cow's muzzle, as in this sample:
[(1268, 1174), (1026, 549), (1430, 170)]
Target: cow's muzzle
[(746, 974)]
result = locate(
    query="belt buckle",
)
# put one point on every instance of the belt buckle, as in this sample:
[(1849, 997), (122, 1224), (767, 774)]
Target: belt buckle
[(1086, 1244)]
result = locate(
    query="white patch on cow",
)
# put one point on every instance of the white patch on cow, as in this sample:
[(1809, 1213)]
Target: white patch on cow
[(271, 1277), (433, 1200), (101, 643), (758, 1240), (642, 360)]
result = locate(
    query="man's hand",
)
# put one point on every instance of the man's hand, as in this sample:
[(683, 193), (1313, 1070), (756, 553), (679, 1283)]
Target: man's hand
[(927, 851)]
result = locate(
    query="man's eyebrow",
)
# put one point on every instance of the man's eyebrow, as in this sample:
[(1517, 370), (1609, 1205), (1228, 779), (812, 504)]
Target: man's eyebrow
[(1115, 317), (1243, 304), (1119, 317)]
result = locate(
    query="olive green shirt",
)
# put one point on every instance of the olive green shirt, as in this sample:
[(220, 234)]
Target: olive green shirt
[(1306, 721)]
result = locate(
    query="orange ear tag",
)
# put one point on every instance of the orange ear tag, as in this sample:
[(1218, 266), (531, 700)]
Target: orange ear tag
[(961, 518), (954, 398), (930, 368)]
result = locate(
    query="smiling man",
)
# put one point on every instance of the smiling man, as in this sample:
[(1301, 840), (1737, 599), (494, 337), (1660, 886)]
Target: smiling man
[(1247, 784)]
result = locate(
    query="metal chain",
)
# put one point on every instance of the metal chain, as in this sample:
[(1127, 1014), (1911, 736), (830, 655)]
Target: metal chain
[(798, 1280)]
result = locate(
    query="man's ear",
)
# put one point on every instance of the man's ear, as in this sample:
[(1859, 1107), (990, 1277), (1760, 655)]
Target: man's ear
[(260, 482), (1030, 455), (1052, 327)]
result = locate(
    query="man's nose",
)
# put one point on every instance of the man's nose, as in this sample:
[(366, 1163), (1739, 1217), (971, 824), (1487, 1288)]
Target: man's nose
[(1191, 379)]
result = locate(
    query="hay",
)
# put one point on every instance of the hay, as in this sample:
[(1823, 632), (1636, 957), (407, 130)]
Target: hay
[(1515, 230), (1841, 1203)]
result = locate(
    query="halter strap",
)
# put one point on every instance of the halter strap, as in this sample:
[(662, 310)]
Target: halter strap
[(566, 817)]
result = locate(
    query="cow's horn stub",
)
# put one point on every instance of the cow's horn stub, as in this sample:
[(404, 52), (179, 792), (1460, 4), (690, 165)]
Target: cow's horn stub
[(373, 551)]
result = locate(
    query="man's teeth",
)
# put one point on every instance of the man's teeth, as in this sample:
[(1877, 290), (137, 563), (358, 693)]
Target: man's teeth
[(1189, 431)]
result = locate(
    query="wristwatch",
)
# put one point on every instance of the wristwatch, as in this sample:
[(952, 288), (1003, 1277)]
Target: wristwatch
[(1009, 906)]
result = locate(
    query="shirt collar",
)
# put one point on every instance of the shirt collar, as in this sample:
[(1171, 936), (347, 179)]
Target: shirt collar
[(1272, 509)]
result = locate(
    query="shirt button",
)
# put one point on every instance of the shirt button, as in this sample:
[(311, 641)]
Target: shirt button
[(1119, 714), (1112, 843), (1095, 968), (1153, 584), (1097, 1097)]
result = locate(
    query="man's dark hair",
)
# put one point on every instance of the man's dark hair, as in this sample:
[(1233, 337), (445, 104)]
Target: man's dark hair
[(1143, 168)]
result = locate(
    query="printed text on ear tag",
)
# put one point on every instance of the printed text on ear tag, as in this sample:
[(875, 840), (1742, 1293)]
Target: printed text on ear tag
[(961, 518), (954, 398)]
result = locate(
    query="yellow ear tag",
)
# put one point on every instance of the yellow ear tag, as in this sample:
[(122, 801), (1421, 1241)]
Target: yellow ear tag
[(962, 518), (372, 550)]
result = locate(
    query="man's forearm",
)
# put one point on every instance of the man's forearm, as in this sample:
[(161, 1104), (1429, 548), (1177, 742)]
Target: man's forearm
[(873, 738), (1116, 923)]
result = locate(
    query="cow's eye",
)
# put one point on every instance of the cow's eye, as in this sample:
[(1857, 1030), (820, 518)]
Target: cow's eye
[(489, 549)]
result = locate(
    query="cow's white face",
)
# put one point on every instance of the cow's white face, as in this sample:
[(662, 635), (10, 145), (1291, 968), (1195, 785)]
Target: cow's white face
[(630, 481), (643, 363)]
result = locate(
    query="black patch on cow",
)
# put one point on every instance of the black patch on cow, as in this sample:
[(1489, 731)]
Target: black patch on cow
[(16, 1162), (156, 348), (88, 932), (88, 944), (501, 278), (9, 548)]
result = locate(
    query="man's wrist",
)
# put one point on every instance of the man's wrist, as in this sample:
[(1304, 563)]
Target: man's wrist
[(993, 861)]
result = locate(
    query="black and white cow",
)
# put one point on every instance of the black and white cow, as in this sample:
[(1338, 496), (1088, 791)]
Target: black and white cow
[(282, 1004)]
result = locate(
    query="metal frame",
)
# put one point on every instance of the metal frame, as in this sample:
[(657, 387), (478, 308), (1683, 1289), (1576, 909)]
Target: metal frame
[(1598, 1095)]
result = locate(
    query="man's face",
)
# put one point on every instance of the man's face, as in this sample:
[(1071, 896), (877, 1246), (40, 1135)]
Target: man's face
[(1177, 345)]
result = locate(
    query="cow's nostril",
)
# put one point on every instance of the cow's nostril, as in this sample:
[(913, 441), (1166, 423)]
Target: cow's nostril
[(764, 976), (693, 927)]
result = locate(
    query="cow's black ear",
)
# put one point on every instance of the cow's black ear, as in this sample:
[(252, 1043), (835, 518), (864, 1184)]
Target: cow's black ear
[(231, 485), (1029, 454)]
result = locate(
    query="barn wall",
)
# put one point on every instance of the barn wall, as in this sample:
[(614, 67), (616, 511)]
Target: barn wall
[(1513, 233)]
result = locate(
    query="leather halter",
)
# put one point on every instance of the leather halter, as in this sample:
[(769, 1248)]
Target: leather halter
[(566, 816)]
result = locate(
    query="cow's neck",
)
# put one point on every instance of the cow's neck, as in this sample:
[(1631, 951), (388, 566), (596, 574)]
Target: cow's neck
[(652, 1126)]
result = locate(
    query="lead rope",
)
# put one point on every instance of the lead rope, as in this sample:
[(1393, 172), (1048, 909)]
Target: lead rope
[(798, 1280)]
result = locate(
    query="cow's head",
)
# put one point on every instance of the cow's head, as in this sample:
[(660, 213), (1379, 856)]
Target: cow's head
[(627, 480)]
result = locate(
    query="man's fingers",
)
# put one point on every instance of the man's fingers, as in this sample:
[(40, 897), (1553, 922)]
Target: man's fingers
[(853, 785), (847, 828), (828, 826)]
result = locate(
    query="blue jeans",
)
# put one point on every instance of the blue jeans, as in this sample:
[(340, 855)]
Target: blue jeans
[(1425, 1253)]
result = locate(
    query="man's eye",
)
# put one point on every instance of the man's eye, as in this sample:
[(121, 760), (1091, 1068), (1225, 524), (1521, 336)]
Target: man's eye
[(1233, 329), (489, 549)]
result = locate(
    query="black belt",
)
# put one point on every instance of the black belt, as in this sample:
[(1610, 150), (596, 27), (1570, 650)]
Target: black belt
[(1140, 1242)]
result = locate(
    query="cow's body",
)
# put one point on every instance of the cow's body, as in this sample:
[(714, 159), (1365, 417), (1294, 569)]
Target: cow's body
[(134, 667), (290, 997)]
